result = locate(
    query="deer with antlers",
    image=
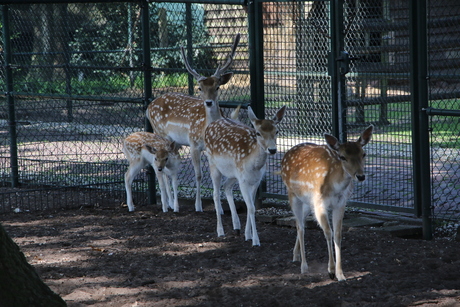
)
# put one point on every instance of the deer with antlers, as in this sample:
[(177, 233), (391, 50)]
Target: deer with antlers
[(319, 179), (239, 153), (144, 148), (183, 118)]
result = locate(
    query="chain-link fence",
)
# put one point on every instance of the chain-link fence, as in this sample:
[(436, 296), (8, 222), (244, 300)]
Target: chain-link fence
[(444, 92), (81, 83), (78, 76)]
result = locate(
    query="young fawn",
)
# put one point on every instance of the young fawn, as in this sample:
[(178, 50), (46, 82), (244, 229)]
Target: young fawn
[(239, 153), (144, 148), (319, 179)]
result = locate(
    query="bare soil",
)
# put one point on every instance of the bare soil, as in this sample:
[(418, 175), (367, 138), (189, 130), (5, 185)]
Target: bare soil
[(107, 256)]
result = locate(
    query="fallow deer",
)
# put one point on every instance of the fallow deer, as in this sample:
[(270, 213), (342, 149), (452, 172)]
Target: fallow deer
[(239, 153), (319, 179), (144, 148), (183, 118)]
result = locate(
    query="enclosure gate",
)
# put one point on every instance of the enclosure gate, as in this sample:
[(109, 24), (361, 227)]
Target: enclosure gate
[(380, 62), (72, 95)]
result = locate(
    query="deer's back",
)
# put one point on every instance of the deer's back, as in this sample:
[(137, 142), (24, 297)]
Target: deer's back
[(135, 141), (176, 115), (233, 147), (309, 168)]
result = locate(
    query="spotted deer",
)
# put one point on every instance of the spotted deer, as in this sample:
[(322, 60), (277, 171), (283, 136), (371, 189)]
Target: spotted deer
[(144, 148), (183, 118), (319, 179), (239, 153)]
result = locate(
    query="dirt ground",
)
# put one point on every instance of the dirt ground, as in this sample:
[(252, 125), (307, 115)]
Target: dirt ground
[(107, 256)]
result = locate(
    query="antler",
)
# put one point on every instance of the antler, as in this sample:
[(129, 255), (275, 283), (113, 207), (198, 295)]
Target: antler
[(192, 71), (219, 70)]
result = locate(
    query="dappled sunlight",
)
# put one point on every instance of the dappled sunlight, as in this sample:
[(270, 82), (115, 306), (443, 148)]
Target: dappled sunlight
[(309, 280), (444, 297), (92, 288), (64, 257), (186, 248), (103, 257)]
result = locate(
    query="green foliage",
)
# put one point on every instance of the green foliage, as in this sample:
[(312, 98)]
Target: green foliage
[(170, 80), (103, 38), (99, 86)]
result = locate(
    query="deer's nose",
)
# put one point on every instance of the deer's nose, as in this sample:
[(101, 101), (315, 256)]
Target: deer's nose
[(160, 169), (209, 103), (272, 151), (361, 177)]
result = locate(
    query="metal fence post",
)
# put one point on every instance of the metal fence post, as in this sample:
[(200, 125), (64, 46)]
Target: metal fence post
[(420, 125), (256, 70), (189, 39), (338, 60), (256, 56), (10, 98), (152, 193)]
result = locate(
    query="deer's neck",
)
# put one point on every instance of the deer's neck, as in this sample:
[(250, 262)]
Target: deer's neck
[(212, 114), (259, 157)]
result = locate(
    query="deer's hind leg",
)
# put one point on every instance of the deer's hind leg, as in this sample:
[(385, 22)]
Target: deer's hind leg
[(300, 210)]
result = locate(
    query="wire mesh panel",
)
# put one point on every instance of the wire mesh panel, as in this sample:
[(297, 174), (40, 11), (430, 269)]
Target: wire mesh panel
[(444, 93), (78, 73), (378, 92), (76, 95), (296, 45)]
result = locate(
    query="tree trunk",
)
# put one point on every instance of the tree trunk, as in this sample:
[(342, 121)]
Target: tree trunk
[(49, 42), (20, 284)]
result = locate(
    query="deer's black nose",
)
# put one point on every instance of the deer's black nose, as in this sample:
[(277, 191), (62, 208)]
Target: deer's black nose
[(209, 103), (272, 151), (160, 169), (361, 177)]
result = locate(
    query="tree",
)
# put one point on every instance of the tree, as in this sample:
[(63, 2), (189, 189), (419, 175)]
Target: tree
[(20, 284)]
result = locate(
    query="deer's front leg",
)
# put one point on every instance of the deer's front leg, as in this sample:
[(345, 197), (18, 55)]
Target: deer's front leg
[(195, 153), (322, 218), (337, 218), (216, 177), (248, 193)]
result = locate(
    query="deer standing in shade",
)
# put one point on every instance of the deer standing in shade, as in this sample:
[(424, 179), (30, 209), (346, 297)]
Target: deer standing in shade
[(239, 153), (144, 148)]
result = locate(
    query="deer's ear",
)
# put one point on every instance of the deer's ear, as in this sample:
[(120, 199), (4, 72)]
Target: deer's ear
[(235, 113), (332, 141), (279, 115), (225, 78), (172, 146), (151, 149), (251, 115), (366, 136)]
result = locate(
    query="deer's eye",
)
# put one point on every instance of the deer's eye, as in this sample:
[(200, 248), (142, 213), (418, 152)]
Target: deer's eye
[(364, 154), (343, 158), (258, 134), (199, 89)]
